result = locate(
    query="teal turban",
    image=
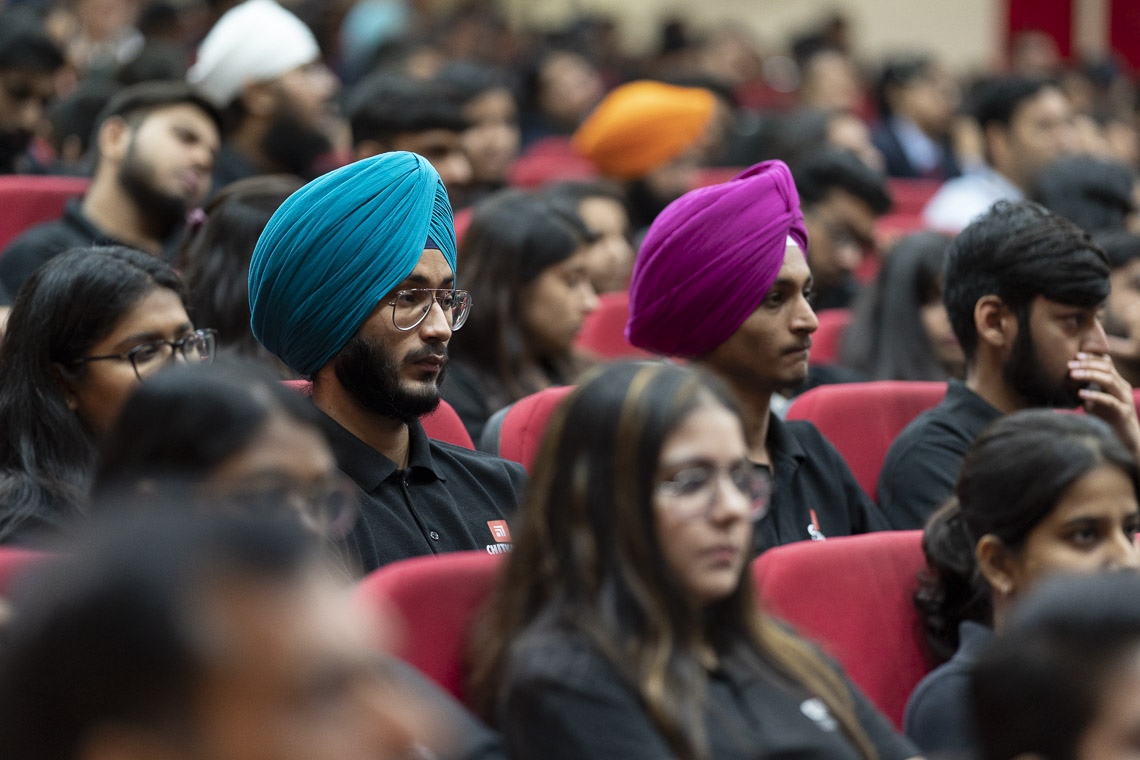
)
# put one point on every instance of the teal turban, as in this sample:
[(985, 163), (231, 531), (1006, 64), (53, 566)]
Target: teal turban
[(336, 247)]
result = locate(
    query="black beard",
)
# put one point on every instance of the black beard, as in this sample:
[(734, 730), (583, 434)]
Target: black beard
[(293, 146), (161, 212), (1025, 375), (372, 377)]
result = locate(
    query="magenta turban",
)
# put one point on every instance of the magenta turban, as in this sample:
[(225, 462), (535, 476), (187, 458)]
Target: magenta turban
[(709, 259)]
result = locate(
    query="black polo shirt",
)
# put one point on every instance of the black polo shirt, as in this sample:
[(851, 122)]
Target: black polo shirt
[(816, 495), (448, 499), (922, 464)]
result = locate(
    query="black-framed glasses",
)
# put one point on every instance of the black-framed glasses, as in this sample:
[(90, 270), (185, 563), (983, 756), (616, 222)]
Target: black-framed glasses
[(146, 358), (693, 491), (410, 307)]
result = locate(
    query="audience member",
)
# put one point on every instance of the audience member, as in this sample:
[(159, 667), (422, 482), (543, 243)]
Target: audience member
[(183, 636), (899, 329), (344, 287), (841, 199), (1023, 289), (29, 61), (793, 137), (215, 261), (1122, 310), (649, 136), (828, 78), (156, 144), (261, 66), (1062, 679), (601, 206), (73, 119), (918, 102), (390, 112), (1039, 494), (85, 330), (614, 633), (1094, 194), (721, 279), (527, 264), (562, 87), (1025, 123)]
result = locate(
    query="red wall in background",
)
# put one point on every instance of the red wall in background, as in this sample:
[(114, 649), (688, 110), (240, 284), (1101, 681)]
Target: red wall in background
[(1054, 17), (1124, 30)]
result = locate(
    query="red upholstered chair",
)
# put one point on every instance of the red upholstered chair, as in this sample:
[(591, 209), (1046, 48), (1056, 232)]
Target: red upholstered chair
[(603, 332), (551, 159), (862, 419), (28, 200), (825, 340), (13, 562), (911, 195), (443, 424), (852, 596), (515, 433), (438, 598)]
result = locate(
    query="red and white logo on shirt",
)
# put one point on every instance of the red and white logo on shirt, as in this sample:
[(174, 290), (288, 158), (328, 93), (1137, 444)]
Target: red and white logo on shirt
[(499, 531)]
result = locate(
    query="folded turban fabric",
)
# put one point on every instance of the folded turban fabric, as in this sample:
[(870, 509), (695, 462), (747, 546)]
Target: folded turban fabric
[(641, 126), (255, 41), (336, 247), (709, 259)]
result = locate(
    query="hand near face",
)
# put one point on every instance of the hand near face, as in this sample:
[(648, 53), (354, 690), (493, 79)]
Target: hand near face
[(1108, 396)]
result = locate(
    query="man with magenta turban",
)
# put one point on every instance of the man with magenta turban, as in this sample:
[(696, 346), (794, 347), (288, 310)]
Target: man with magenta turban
[(722, 279), (353, 285)]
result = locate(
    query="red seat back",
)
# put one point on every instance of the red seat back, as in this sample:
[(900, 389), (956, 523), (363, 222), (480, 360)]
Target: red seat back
[(551, 159), (603, 332), (825, 340), (14, 561), (911, 195), (862, 419), (524, 423), (29, 200), (443, 424), (853, 596), (438, 598)]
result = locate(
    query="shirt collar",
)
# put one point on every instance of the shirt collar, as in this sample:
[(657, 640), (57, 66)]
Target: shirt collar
[(367, 466)]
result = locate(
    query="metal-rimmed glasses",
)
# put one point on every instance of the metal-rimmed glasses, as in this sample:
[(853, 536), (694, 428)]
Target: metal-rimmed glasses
[(410, 307), (693, 491), (146, 358)]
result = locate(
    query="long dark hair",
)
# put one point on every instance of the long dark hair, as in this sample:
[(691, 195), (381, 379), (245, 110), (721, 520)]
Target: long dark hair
[(66, 307), (1011, 479), (587, 557), (513, 237), (886, 339)]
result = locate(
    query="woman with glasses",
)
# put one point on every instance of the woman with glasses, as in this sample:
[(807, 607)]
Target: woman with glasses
[(84, 331), (527, 265), (625, 624)]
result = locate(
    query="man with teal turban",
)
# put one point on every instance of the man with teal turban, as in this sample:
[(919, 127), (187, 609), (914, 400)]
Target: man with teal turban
[(722, 279), (353, 285)]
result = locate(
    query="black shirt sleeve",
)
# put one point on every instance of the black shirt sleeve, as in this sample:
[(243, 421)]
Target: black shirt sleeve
[(916, 479)]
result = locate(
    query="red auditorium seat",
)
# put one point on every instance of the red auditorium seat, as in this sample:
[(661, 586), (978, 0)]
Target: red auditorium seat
[(515, 433), (603, 333), (825, 340), (28, 200), (910, 196), (443, 424), (852, 596), (438, 598), (13, 562), (551, 159), (862, 419)]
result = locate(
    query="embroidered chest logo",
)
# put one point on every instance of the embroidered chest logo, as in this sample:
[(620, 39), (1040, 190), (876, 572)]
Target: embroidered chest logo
[(813, 528)]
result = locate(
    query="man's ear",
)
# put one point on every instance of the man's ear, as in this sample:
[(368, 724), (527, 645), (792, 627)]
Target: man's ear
[(995, 322), (114, 139), (65, 379)]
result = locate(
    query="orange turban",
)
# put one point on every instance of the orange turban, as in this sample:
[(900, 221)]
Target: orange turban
[(641, 126)]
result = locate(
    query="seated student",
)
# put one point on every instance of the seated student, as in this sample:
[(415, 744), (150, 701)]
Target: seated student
[(1023, 290), (918, 101), (526, 265), (602, 207), (1062, 680), (899, 330), (180, 635), (722, 279), (625, 624), (1039, 494), (86, 329), (29, 63), (215, 261)]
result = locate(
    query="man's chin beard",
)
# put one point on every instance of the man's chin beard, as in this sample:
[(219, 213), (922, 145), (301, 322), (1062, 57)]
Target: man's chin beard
[(293, 146), (1024, 374), (372, 379), (161, 212)]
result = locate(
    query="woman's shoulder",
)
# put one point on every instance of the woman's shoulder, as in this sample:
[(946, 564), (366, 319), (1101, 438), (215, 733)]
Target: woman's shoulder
[(556, 653)]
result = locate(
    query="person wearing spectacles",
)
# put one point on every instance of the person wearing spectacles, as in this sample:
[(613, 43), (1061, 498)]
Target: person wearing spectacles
[(353, 284), (625, 623), (85, 330), (528, 264)]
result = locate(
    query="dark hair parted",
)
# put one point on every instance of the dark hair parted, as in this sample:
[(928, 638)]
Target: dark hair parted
[(66, 307), (24, 44), (1040, 683), (384, 106), (886, 339), (1011, 479), (215, 259), (1092, 193), (514, 236), (822, 172), (133, 104), (1017, 251), (110, 633), (586, 558)]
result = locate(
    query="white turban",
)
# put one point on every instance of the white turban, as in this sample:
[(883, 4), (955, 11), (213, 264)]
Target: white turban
[(255, 41)]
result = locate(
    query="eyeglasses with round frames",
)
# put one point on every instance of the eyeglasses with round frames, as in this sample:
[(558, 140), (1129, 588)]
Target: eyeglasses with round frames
[(146, 358), (410, 307), (693, 491)]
